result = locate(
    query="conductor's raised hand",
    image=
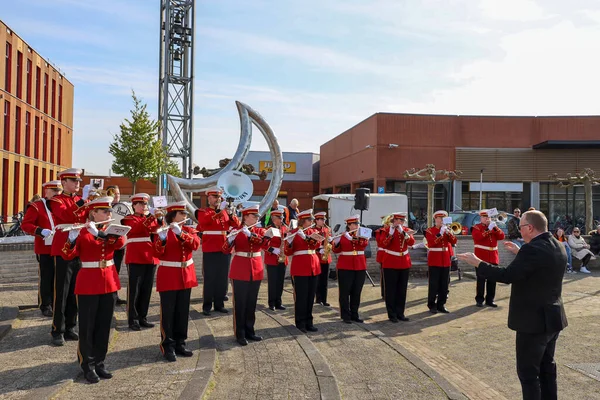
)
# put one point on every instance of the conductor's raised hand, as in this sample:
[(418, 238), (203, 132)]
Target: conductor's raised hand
[(469, 258), (510, 246)]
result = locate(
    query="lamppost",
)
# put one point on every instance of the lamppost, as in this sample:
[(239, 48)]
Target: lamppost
[(480, 188)]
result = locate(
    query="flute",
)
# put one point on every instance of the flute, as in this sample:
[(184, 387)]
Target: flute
[(164, 228), (299, 230), (236, 231), (332, 238), (74, 227)]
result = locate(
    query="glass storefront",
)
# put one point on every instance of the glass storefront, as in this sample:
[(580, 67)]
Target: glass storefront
[(417, 196), (565, 207), (502, 201)]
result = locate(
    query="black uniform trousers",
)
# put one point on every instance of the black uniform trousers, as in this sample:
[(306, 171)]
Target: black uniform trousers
[(245, 296), (483, 284), (174, 316), (396, 284), (535, 365), (350, 284), (139, 290), (438, 287), (215, 270), (95, 316), (275, 276), (304, 295), (321, 294), (118, 259), (381, 281), (65, 303), (46, 281)]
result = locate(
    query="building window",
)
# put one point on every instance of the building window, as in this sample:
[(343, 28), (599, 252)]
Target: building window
[(38, 92), (44, 176), (502, 201), (45, 141), (19, 75), (18, 130), (59, 147), (6, 141), (28, 96), (52, 143), (36, 179), (27, 134), (45, 93), (5, 189), (327, 191), (7, 68), (51, 177), (36, 138), (343, 189), (565, 207), (53, 98), (17, 198), (26, 176), (60, 98)]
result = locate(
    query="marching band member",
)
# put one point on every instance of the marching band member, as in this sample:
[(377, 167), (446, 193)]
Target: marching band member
[(439, 241), (175, 279), (321, 295), (276, 262), (246, 273), (67, 208), (304, 270), (96, 286), (38, 221), (140, 260), (115, 193), (485, 237), (351, 269), (214, 222), (379, 236), (396, 265)]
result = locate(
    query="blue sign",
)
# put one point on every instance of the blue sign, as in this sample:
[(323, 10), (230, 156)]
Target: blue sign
[(380, 189)]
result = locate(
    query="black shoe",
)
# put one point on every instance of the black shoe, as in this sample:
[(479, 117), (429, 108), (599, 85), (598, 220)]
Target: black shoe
[(394, 320), (121, 302), (182, 351), (135, 326), (318, 302), (92, 377), (272, 308), (255, 338), (205, 312), (312, 328), (170, 357), (47, 312), (403, 318), (492, 304), (433, 310), (222, 310), (70, 335), (303, 330), (347, 321), (325, 304), (226, 298), (479, 304), (58, 340), (145, 324), (443, 310), (280, 308), (103, 373), (242, 342), (360, 321)]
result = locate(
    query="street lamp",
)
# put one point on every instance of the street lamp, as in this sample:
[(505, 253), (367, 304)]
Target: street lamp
[(480, 187)]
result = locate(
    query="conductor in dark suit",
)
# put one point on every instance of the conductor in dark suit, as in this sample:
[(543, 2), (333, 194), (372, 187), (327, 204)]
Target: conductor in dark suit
[(536, 309)]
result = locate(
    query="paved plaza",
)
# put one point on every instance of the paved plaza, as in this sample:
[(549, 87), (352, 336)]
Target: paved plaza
[(468, 353)]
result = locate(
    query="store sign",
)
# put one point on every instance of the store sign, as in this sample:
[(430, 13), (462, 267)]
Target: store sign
[(288, 167)]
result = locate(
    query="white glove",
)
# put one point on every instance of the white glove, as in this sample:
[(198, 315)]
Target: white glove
[(231, 239), (301, 234), (246, 231), (276, 250), (163, 235), (492, 225), (73, 235), (321, 251), (86, 192), (337, 240), (223, 205), (443, 229), (392, 230), (406, 234), (46, 232), (175, 228), (289, 239), (347, 236), (91, 227)]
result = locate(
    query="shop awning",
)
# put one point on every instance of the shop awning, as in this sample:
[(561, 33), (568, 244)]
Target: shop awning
[(567, 144)]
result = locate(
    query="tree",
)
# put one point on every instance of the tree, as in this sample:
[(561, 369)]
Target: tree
[(138, 151)]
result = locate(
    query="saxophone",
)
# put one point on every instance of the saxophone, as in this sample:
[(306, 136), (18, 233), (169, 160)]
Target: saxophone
[(281, 258), (327, 247)]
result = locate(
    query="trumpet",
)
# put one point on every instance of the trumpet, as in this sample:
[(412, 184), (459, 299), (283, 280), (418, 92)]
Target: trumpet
[(236, 231), (75, 227), (502, 217), (164, 228), (455, 228)]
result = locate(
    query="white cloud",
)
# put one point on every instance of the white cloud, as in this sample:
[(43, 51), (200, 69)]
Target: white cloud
[(513, 10)]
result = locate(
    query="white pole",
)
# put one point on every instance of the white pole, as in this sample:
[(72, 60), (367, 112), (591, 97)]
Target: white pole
[(480, 188)]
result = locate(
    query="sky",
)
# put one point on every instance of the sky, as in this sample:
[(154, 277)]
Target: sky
[(314, 69)]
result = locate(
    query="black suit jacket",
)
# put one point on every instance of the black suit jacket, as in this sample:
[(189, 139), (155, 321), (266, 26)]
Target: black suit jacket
[(536, 275)]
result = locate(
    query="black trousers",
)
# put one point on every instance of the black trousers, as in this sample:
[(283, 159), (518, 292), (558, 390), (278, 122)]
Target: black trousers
[(304, 294), (321, 293), (381, 281), (396, 284), (139, 290), (350, 286), (245, 295), (438, 286), (174, 316), (118, 259), (46, 281), (95, 316), (535, 365), (65, 302), (215, 269), (483, 284), (275, 276)]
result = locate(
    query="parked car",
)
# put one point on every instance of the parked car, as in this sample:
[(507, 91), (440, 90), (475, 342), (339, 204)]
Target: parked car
[(468, 219)]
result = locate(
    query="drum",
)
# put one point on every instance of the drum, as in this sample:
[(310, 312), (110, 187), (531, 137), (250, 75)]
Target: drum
[(120, 210)]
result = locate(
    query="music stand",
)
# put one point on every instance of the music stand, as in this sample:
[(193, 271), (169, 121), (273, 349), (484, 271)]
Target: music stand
[(367, 270)]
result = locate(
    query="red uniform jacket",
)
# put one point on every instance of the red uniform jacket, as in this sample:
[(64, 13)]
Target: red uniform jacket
[(66, 209), (245, 266), (326, 233), (214, 227), (176, 250), (303, 264), (90, 248), (273, 259), (440, 247), (486, 243), (36, 219), (395, 248), (142, 226), (379, 236), (346, 247)]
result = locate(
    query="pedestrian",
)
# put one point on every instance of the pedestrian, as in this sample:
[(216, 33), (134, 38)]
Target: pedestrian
[(580, 250)]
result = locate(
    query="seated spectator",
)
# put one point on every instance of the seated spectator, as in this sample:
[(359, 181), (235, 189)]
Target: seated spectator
[(580, 250), (561, 237), (595, 241)]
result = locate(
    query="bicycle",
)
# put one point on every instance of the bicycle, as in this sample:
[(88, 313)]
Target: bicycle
[(15, 229)]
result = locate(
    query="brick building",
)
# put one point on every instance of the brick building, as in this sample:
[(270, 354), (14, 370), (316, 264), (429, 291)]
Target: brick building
[(37, 124)]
